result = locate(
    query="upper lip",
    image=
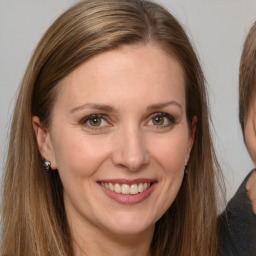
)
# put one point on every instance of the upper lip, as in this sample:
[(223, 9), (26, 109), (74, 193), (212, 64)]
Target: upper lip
[(128, 181)]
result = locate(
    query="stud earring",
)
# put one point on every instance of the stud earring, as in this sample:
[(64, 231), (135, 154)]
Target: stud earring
[(46, 165), (186, 170)]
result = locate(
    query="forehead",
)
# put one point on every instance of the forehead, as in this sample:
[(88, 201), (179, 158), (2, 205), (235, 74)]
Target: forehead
[(129, 74)]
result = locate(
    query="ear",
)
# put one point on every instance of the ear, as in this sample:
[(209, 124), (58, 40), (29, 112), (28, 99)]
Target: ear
[(250, 133), (44, 141), (191, 138)]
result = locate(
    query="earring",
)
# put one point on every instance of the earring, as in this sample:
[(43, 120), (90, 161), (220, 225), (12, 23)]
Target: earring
[(186, 170), (46, 165)]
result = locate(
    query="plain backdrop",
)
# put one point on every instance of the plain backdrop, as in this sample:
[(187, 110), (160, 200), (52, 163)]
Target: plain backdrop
[(217, 29)]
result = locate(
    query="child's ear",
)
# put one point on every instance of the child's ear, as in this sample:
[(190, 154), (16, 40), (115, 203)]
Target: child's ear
[(44, 142)]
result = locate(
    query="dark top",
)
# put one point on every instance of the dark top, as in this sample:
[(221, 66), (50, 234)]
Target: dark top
[(237, 226)]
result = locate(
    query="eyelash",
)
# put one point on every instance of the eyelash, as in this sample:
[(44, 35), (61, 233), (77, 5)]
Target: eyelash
[(86, 119), (103, 118), (171, 119)]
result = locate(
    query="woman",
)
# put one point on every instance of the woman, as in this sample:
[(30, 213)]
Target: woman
[(110, 150)]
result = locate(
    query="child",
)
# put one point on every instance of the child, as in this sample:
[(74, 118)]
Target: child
[(238, 222)]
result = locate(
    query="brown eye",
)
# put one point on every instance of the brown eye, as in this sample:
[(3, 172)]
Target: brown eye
[(161, 120), (158, 120), (95, 121)]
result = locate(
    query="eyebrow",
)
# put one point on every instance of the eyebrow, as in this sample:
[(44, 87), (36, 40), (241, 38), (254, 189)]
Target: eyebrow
[(101, 107), (162, 105), (108, 108)]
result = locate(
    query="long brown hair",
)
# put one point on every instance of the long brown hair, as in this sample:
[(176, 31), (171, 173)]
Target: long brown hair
[(33, 213), (247, 75)]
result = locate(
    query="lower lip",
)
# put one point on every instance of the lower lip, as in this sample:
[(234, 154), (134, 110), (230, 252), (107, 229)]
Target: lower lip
[(129, 199)]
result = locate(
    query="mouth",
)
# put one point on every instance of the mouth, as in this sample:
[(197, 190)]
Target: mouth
[(126, 189)]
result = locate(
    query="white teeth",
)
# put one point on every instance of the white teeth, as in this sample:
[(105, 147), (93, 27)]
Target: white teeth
[(141, 187), (111, 187), (117, 188), (134, 189), (125, 188)]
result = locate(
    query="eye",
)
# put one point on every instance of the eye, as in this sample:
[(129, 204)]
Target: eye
[(158, 120), (161, 119), (95, 121)]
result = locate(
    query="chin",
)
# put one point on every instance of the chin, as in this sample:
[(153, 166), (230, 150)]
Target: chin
[(131, 226)]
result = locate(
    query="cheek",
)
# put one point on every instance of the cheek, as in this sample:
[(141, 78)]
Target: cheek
[(171, 153), (79, 155)]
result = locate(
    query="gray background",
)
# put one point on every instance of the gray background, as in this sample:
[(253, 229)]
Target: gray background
[(217, 29)]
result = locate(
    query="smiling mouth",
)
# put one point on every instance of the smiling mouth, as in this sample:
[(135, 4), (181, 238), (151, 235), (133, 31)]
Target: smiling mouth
[(126, 189)]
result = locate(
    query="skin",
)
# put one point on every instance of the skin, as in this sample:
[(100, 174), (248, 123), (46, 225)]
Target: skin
[(133, 139), (250, 141)]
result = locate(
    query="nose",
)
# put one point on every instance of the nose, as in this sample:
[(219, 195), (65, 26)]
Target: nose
[(130, 150)]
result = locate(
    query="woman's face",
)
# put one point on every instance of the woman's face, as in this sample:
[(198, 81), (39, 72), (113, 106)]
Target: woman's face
[(120, 139)]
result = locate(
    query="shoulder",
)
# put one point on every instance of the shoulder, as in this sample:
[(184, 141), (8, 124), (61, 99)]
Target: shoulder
[(237, 225)]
